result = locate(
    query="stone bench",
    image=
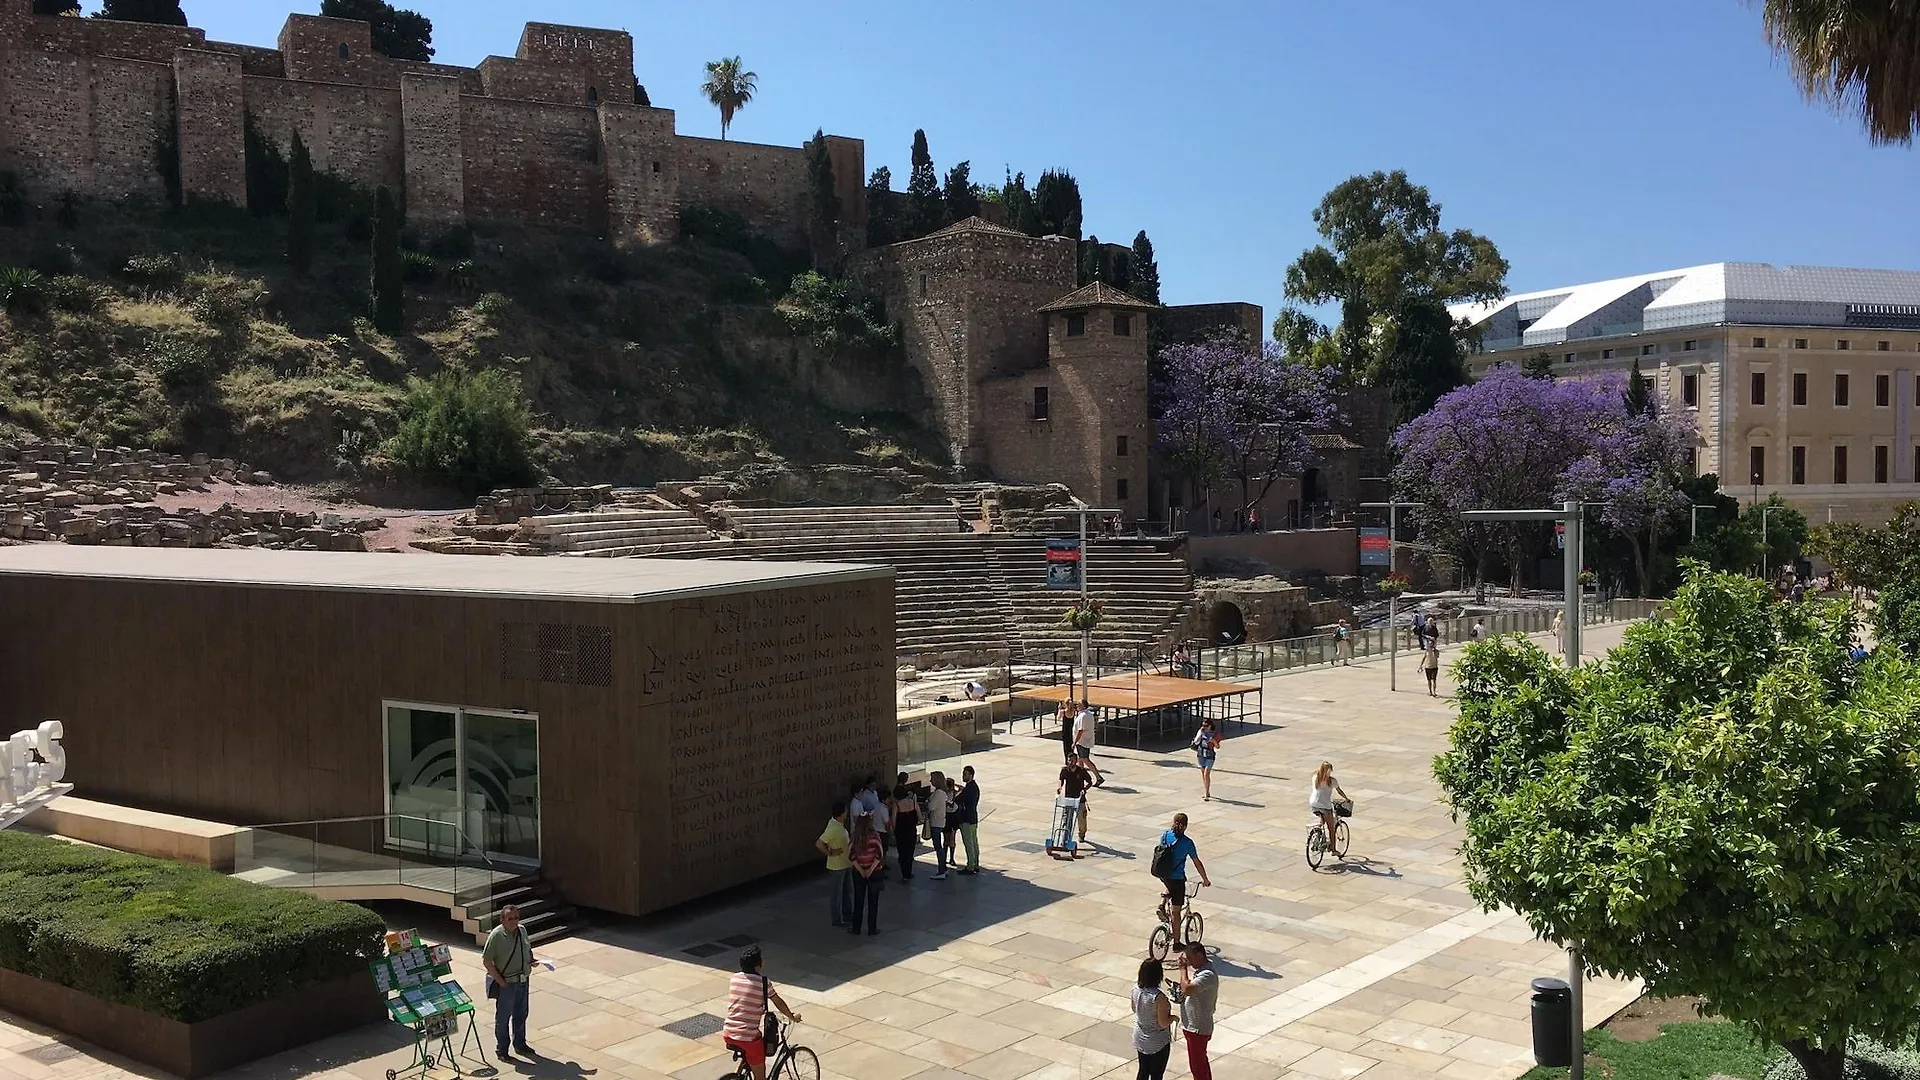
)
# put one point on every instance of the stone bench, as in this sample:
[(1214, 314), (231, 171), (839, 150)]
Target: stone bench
[(211, 844)]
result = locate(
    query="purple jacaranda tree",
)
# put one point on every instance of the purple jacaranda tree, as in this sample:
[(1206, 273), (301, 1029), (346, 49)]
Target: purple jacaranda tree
[(1227, 409), (1510, 441)]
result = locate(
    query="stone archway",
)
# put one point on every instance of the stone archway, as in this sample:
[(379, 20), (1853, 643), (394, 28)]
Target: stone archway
[(1226, 623)]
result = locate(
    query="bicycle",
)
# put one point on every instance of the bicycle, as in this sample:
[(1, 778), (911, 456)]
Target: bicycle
[(792, 1063), (1318, 843), (1161, 941)]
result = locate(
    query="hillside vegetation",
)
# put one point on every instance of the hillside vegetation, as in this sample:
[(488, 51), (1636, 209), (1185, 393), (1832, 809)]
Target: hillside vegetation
[(187, 330)]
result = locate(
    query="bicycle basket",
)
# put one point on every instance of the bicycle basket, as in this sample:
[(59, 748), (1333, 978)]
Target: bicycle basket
[(1344, 808)]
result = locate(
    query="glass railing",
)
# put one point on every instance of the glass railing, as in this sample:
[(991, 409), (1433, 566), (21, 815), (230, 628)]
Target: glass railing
[(923, 747), (374, 855)]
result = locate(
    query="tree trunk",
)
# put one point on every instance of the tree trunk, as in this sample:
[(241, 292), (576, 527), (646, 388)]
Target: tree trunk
[(1819, 1064), (1639, 563)]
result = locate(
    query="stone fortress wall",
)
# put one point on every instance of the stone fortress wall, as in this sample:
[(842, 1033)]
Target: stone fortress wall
[(548, 136)]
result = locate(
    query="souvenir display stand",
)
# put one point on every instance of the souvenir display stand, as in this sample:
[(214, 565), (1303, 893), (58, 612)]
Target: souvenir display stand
[(422, 997)]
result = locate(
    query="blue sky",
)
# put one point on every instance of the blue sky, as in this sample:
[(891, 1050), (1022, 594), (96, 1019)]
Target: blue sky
[(1588, 140)]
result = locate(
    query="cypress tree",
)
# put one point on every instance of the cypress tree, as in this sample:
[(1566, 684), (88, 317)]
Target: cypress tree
[(882, 226), (1057, 202), (1021, 213), (301, 209), (1143, 270), (824, 206), (962, 196), (389, 315), (926, 208)]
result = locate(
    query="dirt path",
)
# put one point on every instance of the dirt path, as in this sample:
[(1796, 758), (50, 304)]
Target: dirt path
[(403, 526)]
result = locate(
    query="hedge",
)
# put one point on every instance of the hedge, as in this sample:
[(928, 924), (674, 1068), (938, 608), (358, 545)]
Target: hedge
[(179, 941)]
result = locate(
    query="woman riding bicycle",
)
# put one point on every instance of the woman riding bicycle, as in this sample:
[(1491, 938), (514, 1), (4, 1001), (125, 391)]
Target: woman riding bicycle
[(1321, 801)]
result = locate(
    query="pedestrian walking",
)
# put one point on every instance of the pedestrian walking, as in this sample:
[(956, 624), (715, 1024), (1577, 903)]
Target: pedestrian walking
[(1559, 627), (869, 874), (939, 801), (1065, 714), (1073, 785), (1420, 628), (1343, 642), (1152, 1023), (508, 957), (1206, 747), (1430, 663), (1199, 992), (1083, 742), (969, 814), (906, 826), (833, 844)]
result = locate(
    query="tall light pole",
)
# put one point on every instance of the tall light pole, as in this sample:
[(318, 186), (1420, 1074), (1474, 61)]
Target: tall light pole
[(1695, 535), (1393, 598), (1571, 514), (1081, 508), (1766, 552)]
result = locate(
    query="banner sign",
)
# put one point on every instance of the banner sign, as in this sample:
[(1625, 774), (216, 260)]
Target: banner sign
[(1376, 548), (1063, 564)]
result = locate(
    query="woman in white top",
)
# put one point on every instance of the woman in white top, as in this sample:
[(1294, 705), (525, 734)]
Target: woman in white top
[(938, 803), (1325, 787), (1152, 1022)]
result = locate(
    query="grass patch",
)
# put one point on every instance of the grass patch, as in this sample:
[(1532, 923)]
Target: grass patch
[(1689, 1050)]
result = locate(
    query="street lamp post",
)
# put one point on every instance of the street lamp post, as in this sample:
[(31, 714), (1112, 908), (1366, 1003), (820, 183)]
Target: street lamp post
[(1572, 515), (1695, 535), (1766, 552), (1081, 508), (1393, 598)]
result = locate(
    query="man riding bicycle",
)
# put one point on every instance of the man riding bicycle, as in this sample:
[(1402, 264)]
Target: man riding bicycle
[(748, 993), (1180, 848)]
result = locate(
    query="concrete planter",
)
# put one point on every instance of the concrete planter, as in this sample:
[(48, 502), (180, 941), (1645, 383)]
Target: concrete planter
[(199, 1049)]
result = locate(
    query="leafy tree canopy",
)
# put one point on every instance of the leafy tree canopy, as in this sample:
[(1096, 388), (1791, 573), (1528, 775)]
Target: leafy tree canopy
[(961, 194), (729, 86), (160, 12), (1725, 806), (1540, 366), (1856, 56), (403, 35), (823, 219), (56, 7), (883, 223), (1056, 203)]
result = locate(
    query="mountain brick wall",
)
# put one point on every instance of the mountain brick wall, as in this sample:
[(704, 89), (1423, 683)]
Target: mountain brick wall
[(351, 131), (533, 162), (90, 120), (431, 123), (208, 97), (643, 185), (1186, 323), (767, 185)]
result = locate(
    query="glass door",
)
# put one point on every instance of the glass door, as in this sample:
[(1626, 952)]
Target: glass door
[(423, 770), (502, 783), (463, 780)]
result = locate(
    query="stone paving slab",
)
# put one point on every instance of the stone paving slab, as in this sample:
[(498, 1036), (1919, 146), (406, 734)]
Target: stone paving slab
[(1379, 967)]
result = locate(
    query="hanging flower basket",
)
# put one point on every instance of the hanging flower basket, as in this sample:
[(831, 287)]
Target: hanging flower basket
[(1394, 584), (1084, 616), (1588, 579)]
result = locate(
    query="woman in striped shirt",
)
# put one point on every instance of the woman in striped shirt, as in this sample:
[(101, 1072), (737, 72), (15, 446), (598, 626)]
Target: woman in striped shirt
[(869, 872), (747, 995)]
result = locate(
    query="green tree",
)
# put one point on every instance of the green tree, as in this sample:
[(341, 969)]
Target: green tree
[(823, 219), (1022, 214), (302, 207), (1540, 365), (389, 300), (729, 87), (883, 222), (1093, 261), (1637, 393), (1855, 56), (161, 12), (403, 35), (962, 195), (466, 429), (1723, 807), (56, 7), (640, 96), (1056, 204), (1422, 357), (1142, 270), (926, 207), (1386, 261)]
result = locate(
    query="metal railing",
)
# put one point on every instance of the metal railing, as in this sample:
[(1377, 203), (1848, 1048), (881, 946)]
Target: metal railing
[(430, 853), (1317, 650)]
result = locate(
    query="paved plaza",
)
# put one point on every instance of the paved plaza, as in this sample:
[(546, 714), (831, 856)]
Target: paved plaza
[(1382, 967)]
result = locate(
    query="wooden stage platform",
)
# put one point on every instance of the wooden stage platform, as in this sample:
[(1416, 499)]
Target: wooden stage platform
[(1150, 706), (1139, 692)]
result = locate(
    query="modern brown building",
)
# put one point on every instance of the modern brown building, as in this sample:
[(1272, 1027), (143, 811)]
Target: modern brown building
[(643, 731)]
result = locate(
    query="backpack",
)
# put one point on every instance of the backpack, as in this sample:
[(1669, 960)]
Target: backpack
[(1162, 863)]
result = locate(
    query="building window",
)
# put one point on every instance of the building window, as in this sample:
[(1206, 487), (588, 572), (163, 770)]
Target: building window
[(1039, 403), (656, 166), (1606, 354), (1840, 390), (1759, 343), (1882, 462), (1799, 343), (1567, 358), (1076, 325), (1798, 469), (1759, 388), (1757, 465), (1843, 344), (1883, 346), (1693, 461), (1690, 390), (344, 51), (1120, 446), (1839, 464), (1799, 388), (1649, 350), (1883, 390), (1123, 325), (1690, 346), (1120, 489), (593, 95)]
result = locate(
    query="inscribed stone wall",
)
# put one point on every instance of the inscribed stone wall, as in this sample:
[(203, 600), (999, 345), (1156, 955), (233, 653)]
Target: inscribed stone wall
[(436, 177), (771, 702), (643, 187), (533, 162), (212, 147), (604, 57), (767, 185), (353, 131)]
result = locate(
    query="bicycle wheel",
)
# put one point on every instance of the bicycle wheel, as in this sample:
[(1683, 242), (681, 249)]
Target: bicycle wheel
[(1196, 927), (800, 1064), (1342, 839), (1316, 846), (1160, 943)]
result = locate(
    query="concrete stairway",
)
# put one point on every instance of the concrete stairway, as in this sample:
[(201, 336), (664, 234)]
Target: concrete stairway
[(543, 914), (617, 532), (824, 522), (1143, 589)]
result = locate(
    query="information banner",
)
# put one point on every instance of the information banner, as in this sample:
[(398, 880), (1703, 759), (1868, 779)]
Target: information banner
[(1063, 564), (1376, 548)]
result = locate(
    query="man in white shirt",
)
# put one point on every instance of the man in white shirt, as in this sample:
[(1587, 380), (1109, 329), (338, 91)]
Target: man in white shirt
[(1083, 742)]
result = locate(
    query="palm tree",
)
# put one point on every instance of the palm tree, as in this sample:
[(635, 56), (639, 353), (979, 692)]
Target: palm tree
[(728, 88), (1855, 54)]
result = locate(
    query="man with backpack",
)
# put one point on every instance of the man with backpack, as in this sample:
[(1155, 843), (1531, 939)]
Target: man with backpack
[(1170, 866)]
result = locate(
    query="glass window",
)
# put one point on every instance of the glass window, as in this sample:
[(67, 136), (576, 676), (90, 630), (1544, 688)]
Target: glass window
[(1567, 358), (423, 772), (1606, 354), (1759, 343), (1757, 465), (1843, 344), (1884, 346), (1839, 464), (1649, 350), (1759, 385), (1799, 343), (1690, 346), (1799, 388), (1840, 390), (1120, 446), (1039, 403), (1076, 325), (1883, 390), (1690, 390), (1798, 470), (1882, 462)]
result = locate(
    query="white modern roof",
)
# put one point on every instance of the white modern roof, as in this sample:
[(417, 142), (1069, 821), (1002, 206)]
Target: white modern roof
[(553, 577), (1757, 294)]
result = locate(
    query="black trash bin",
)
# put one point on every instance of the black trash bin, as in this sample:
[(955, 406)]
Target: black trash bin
[(1552, 1022)]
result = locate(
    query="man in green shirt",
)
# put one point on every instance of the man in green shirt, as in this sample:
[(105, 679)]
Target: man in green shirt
[(509, 959), (833, 844)]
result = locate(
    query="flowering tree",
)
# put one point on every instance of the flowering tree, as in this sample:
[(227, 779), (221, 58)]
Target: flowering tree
[(1230, 410), (1514, 442)]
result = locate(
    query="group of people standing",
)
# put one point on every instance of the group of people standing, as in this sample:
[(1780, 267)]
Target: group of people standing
[(869, 821)]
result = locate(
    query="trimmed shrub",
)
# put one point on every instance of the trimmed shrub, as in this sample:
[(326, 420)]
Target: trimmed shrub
[(470, 430), (175, 940), (1866, 1060)]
